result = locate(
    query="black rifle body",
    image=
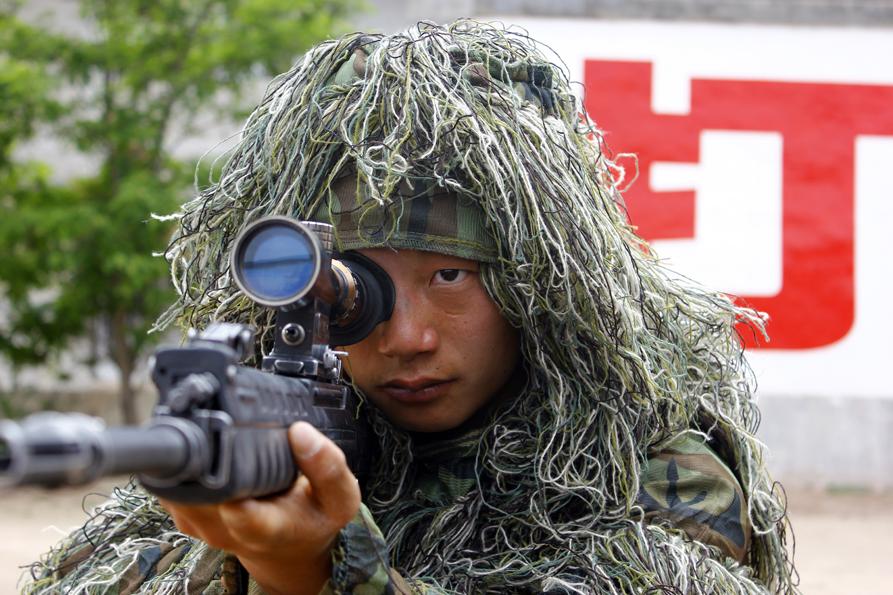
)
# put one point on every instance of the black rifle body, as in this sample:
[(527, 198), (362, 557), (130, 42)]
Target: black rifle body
[(219, 432)]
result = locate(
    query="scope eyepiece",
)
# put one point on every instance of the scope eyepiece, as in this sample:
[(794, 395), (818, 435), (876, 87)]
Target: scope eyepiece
[(276, 261)]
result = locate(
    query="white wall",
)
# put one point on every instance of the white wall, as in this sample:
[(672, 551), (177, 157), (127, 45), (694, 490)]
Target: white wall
[(738, 180)]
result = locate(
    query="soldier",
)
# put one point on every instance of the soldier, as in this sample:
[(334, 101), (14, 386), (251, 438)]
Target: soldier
[(553, 410)]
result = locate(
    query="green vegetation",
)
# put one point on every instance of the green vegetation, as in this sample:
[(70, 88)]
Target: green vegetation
[(77, 257)]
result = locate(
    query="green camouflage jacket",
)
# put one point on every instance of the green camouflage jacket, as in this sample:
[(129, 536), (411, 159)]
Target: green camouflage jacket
[(684, 483)]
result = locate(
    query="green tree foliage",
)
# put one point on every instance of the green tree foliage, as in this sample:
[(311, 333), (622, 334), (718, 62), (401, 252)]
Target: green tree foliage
[(134, 76), (26, 335)]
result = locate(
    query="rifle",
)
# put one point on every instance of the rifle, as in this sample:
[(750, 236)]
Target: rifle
[(219, 429)]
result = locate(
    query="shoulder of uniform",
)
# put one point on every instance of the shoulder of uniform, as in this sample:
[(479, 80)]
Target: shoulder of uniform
[(685, 483)]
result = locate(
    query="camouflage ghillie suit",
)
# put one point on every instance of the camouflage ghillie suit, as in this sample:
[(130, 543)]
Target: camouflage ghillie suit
[(624, 462), (132, 546)]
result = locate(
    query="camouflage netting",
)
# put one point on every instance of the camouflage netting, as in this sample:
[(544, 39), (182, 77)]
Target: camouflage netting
[(125, 539), (621, 354)]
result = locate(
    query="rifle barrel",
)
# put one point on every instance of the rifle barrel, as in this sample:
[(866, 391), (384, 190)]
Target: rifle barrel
[(54, 449)]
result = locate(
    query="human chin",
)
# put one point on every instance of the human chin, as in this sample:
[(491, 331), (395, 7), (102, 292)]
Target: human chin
[(436, 414), (424, 422)]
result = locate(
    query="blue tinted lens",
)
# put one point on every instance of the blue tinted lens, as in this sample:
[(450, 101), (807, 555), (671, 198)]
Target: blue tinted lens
[(277, 263)]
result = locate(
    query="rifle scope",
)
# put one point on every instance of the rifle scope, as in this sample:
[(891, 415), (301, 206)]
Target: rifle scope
[(278, 262)]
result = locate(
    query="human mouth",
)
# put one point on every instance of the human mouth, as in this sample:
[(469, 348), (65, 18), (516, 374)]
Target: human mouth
[(417, 390)]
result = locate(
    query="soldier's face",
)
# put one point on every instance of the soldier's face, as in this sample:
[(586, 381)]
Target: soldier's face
[(445, 352)]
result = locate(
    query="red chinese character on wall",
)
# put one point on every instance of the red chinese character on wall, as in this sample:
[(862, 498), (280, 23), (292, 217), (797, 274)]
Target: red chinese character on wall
[(818, 122)]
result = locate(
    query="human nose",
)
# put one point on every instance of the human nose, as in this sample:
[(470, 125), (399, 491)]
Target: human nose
[(410, 331)]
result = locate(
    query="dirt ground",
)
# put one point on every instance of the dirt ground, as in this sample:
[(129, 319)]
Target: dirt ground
[(843, 540)]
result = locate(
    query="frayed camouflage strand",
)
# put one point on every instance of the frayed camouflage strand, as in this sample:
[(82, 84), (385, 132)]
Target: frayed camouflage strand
[(130, 544)]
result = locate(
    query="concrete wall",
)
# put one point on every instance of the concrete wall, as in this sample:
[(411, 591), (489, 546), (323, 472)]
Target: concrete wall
[(801, 12), (390, 15), (820, 442)]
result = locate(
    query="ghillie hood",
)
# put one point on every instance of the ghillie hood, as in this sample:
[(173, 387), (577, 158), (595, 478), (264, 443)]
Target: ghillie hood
[(620, 354)]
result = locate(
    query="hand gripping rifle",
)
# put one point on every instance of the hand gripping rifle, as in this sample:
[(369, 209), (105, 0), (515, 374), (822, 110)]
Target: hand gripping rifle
[(219, 430)]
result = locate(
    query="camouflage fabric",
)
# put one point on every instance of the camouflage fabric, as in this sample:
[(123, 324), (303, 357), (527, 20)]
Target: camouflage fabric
[(420, 216), (531, 83), (683, 484), (360, 561), (214, 572), (420, 213), (686, 483)]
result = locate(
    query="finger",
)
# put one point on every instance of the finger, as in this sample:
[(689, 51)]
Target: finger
[(198, 510), (202, 521), (333, 487), (259, 522), (185, 526)]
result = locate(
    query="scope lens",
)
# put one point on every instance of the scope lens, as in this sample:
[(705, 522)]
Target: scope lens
[(276, 263)]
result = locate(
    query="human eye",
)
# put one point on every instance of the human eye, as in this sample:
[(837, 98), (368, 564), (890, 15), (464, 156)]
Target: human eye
[(449, 276)]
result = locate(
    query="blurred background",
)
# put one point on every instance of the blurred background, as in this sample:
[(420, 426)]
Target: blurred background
[(756, 139)]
